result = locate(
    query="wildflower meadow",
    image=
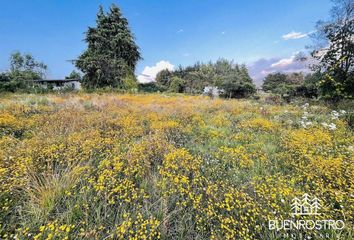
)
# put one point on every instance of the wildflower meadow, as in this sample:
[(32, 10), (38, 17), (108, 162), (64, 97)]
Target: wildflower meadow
[(108, 166)]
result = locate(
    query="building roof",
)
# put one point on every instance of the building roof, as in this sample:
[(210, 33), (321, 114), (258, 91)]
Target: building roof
[(55, 80)]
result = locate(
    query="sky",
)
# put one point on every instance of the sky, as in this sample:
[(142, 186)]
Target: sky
[(264, 34)]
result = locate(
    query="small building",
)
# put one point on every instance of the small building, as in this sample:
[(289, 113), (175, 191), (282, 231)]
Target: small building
[(59, 84)]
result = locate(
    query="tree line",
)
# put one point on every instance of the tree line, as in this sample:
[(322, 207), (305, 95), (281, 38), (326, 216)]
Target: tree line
[(297, 84), (112, 55), (232, 79), (331, 57)]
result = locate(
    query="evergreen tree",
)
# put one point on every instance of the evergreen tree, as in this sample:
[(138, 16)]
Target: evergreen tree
[(112, 53), (238, 83)]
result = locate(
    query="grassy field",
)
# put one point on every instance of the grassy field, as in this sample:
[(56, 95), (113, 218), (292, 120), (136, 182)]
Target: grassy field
[(108, 166)]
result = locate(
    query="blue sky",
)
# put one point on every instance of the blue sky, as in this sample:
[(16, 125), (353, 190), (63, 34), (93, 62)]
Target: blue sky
[(265, 34)]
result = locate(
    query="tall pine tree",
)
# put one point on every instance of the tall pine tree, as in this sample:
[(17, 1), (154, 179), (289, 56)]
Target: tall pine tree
[(112, 53)]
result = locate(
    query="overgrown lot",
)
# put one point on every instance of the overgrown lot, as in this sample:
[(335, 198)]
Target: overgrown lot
[(110, 166)]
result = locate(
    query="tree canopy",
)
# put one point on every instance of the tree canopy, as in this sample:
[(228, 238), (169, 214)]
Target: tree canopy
[(292, 84), (232, 78), (74, 75), (112, 53), (334, 51), (281, 83), (23, 68)]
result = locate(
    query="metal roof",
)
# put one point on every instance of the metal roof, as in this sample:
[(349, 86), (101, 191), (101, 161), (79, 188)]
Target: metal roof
[(55, 80)]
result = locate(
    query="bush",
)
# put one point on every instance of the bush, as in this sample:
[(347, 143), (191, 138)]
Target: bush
[(148, 87)]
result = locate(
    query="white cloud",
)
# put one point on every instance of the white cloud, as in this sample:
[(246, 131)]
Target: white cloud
[(223, 33), (262, 67), (294, 35), (149, 73), (266, 72), (283, 62), (180, 31)]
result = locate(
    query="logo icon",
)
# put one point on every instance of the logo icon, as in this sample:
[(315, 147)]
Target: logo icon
[(305, 206)]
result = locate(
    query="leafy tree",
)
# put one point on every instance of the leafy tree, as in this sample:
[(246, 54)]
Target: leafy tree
[(23, 69), (4, 78), (221, 69), (196, 82), (6, 84), (163, 79), (274, 81), (295, 78), (232, 78), (293, 84), (74, 75), (335, 52), (309, 87), (130, 82), (112, 53), (148, 87), (287, 85), (238, 83), (177, 84)]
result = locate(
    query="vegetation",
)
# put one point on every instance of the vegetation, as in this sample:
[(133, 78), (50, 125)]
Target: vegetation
[(232, 78), (176, 166), (112, 54), (89, 166), (292, 84), (332, 57), (148, 87), (74, 75), (23, 68), (335, 52), (276, 82)]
